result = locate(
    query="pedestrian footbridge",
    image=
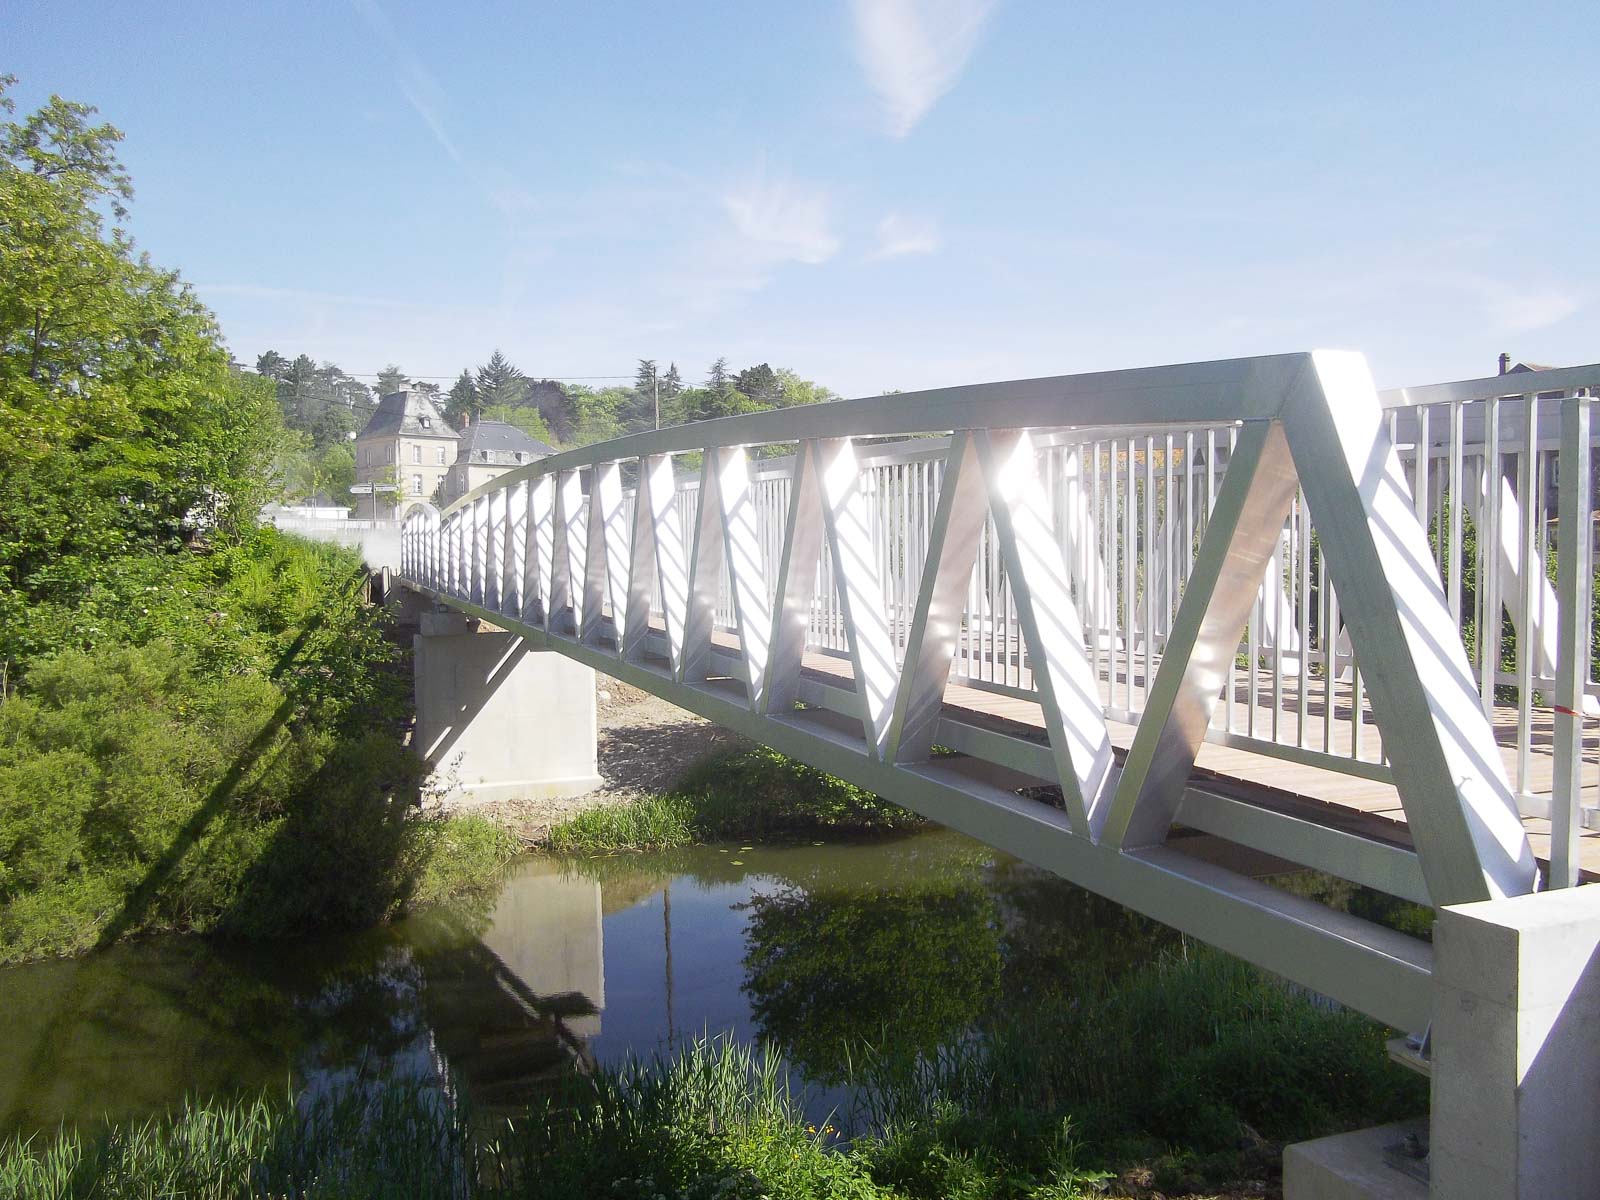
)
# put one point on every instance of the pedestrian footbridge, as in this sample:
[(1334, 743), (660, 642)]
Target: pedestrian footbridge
[(1108, 622)]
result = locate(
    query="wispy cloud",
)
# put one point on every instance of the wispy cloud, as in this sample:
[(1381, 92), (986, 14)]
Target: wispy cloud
[(1524, 310), (416, 82), (737, 237), (901, 234), (913, 51), (782, 221)]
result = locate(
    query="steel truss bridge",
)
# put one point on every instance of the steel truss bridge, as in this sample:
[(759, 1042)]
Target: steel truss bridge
[(1071, 616)]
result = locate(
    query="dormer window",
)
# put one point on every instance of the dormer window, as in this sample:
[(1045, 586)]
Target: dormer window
[(427, 422)]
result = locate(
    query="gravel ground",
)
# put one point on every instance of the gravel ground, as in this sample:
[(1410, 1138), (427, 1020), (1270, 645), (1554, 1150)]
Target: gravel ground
[(645, 746)]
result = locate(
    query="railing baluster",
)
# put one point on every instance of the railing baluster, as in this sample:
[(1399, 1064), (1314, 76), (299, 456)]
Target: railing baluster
[(1575, 614)]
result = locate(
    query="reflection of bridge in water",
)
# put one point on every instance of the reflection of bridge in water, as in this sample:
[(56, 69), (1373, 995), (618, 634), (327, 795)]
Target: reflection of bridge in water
[(507, 1037), (1228, 596), (494, 1009)]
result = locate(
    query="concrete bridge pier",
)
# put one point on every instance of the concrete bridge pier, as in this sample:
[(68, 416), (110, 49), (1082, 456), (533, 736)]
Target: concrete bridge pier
[(1515, 1065), (498, 719)]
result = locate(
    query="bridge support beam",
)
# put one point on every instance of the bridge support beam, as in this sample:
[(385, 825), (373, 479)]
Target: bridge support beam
[(499, 720)]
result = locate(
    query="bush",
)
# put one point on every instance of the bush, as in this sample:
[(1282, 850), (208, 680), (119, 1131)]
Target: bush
[(1195, 1050)]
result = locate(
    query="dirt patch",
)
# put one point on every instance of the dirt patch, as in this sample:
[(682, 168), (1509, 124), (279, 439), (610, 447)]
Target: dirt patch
[(645, 746)]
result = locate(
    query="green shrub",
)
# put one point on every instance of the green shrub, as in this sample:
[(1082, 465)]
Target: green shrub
[(224, 756), (1193, 1050)]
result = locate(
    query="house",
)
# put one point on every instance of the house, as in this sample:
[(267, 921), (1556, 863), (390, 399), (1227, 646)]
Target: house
[(406, 443), (489, 449)]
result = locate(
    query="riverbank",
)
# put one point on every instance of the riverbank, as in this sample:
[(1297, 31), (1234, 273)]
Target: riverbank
[(218, 745), (644, 745), (672, 778)]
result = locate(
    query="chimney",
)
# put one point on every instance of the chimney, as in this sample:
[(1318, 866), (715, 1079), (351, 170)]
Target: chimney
[(1505, 363)]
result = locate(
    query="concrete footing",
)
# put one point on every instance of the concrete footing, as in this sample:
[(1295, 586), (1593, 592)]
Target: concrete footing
[(498, 720), (1351, 1166)]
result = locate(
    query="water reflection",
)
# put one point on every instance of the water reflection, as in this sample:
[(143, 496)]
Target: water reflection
[(914, 965), (909, 941)]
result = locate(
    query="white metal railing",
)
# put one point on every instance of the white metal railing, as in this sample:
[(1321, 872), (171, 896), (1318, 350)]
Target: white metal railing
[(1089, 544)]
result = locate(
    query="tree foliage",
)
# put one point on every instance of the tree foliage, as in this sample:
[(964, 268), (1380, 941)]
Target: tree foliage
[(122, 425), (499, 382)]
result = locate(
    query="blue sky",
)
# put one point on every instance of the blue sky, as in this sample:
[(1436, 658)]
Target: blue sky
[(878, 193)]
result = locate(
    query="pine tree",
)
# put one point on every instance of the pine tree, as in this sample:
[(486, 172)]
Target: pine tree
[(499, 382), (298, 390), (671, 383), (718, 382), (463, 398), (272, 364), (391, 379), (645, 378)]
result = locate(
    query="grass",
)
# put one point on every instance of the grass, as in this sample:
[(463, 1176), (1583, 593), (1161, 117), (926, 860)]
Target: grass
[(754, 793), (1194, 1067)]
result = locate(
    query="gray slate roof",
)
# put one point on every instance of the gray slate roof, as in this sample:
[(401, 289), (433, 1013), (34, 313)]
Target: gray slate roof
[(498, 442), (410, 414)]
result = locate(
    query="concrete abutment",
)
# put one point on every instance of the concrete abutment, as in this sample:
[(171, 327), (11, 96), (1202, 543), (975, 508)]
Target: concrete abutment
[(498, 719)]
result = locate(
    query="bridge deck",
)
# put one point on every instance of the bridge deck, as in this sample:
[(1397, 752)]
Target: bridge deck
[(1366, 806)]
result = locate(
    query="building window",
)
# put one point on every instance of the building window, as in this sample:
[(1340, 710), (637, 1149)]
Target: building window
[(416, 485), (441, 456), (416, 453)]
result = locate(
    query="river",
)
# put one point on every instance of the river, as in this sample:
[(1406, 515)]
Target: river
[(909, 940)]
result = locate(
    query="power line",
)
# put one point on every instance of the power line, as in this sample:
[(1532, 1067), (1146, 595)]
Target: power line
[(532, 378)]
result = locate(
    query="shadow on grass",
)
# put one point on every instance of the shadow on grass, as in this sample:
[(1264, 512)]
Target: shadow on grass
[(137, 905)]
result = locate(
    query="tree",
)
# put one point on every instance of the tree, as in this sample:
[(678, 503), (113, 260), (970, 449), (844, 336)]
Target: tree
[(122, 426), (525, 417), (717, 380), (499, 382), (391, 379), (644, 411), (462, 400), (272, 365), (598, 414), (671, 384), (793, 390), (555, 407), (760, 384), (644, 379)]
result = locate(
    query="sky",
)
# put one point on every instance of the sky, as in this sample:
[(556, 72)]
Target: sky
[(878, 194)]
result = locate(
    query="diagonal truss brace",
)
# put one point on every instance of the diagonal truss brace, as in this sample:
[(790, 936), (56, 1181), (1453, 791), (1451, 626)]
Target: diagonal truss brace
[(1069, 692)]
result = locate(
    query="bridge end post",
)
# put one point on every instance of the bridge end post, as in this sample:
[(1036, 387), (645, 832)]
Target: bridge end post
[(1516, 1047), (498, 719), (1514, 1064)]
